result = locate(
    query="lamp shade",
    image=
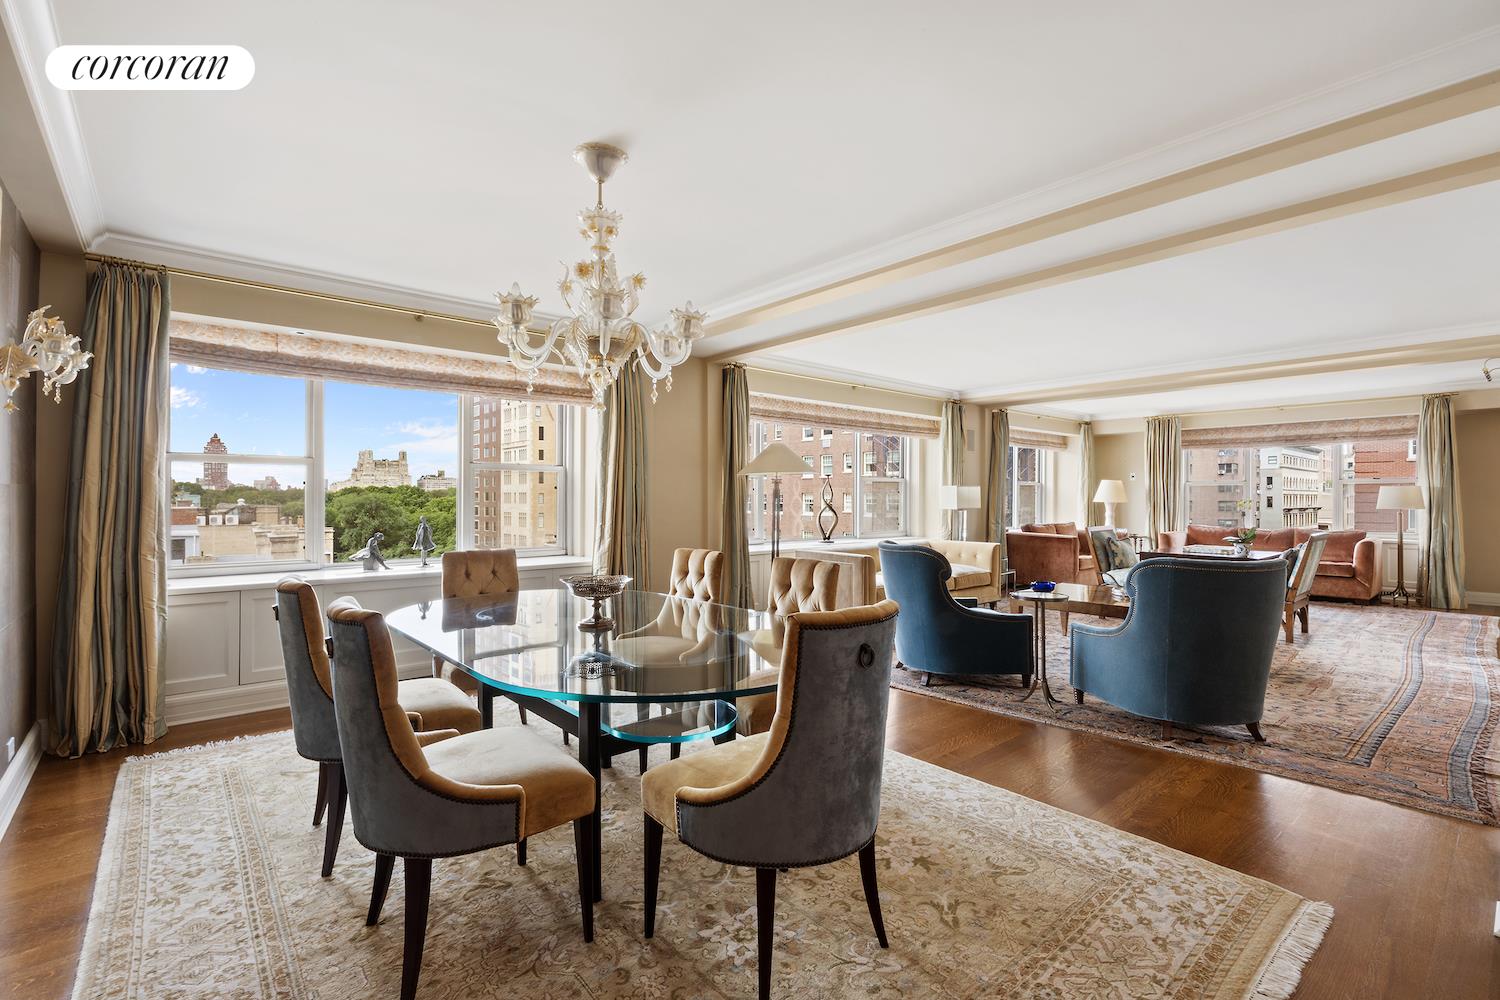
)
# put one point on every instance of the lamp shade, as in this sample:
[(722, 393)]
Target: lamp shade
[(776, 459), (958, 497), (1407, 496), (1110, 491)]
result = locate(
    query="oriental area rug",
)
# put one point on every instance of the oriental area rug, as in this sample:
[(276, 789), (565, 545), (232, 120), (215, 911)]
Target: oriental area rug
[(208, 887), (1394, 704)]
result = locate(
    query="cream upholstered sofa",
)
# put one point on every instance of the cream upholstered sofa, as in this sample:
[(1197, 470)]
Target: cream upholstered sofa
[(977, 570)]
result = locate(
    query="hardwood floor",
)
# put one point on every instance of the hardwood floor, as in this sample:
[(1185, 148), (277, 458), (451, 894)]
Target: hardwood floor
[(1414, 894)]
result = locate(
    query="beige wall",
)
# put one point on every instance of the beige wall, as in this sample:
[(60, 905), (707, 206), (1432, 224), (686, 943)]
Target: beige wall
[(1122, 456), (1479, 492), (18, 709)]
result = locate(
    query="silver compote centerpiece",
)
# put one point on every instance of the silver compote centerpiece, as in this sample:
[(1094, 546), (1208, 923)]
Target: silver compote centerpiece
[(596, 588)]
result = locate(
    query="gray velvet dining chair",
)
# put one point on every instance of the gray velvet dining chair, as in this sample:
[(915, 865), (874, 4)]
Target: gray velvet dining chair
[(802, 794), (937, 634), (431, 704), (447, 795)]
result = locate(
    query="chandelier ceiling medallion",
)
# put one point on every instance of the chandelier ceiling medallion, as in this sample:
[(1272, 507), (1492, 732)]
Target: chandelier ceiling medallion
[(599, 338), (45, 347)]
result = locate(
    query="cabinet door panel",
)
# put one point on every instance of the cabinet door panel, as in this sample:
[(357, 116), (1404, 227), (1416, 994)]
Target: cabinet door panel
[(203, 642)]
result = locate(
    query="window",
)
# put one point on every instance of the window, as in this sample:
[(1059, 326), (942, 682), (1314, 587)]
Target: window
[(778, 432), (1331, 486), (543, 483), (1026, 475), (256, 460), (878, 492)]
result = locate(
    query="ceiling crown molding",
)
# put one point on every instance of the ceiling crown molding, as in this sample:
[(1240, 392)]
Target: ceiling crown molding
[(33, 35), (1463, 60)]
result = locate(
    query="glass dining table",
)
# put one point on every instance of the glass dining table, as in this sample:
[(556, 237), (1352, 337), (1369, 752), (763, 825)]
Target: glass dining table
[(669, 670)]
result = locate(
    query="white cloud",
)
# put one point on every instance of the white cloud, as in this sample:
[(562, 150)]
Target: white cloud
[(183, 397), (426, 429), (196, 369)]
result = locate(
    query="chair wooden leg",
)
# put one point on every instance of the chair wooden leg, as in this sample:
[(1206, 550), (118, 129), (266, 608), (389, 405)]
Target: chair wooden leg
[(676, 750), (765, 926), (1302, 614), (418, 889), (653, 870), (322, 803), (1286, 622), (521, 852), (927, 679), (384, 864), (642, 753), (338, 797), (1166, 730), (872, 890), (1254, 728), (583, 831)]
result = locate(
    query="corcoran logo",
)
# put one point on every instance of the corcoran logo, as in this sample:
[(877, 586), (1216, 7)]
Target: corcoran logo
[(150, 67)]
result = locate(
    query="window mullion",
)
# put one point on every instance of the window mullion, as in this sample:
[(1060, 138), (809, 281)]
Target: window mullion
[(314, 500)]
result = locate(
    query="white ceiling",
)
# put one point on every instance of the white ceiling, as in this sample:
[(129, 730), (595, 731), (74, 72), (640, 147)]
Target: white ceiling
[(425, 150)]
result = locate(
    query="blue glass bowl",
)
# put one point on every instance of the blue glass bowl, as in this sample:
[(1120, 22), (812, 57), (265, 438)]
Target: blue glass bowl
[(1044, 586)]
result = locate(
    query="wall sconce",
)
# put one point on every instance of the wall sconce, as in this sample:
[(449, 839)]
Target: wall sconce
[(45, 347)]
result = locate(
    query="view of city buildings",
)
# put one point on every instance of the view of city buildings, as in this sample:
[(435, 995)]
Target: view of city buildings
[(516, 507), (865, 471), (371, 471), (1297, 486)]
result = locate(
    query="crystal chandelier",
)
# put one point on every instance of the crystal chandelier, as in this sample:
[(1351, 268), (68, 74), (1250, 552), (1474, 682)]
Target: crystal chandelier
[(599, 338), (46, 347)]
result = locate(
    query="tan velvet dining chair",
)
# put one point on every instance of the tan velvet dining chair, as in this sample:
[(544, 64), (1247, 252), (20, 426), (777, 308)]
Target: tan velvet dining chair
[(804, 793), (697, 574), (476, 573), (448, 794), (797, 585), (431, 704)]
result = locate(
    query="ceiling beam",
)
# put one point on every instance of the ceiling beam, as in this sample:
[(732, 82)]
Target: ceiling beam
[(1430, 352), (1455, 101), (1409, 187)]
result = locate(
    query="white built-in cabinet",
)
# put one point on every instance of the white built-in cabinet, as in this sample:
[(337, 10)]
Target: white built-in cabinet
[(223, 651)]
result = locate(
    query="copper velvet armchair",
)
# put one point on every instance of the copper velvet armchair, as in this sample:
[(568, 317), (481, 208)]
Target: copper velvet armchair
[(804, 793), (429, 703), (456, 795)]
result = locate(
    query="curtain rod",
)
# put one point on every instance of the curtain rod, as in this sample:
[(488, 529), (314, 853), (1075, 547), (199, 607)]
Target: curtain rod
[(843, 382), (348, 300)]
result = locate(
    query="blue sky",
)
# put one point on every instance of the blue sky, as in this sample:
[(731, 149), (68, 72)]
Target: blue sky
[(266, 415)]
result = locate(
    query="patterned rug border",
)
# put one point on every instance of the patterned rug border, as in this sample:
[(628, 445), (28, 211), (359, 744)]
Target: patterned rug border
[(1194, 749), (1278, 977)]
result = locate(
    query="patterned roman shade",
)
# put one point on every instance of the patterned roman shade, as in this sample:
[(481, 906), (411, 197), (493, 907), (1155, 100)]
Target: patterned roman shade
[(787, 410), (1304, 432), (306, 355), (1020, 437)]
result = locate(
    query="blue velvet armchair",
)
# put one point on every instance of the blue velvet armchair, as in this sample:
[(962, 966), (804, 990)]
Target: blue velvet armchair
[(937, 634), (1195, 648)]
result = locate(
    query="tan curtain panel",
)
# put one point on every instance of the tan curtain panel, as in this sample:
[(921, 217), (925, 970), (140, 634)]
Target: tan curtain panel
[(1020, 437), (996, 481), (1304, 432), (620, 543), (303, 355), (1437, 469), (952, 439), (810, 412), (107, 655), (1163, 475), (736, 420), (1088, 479)]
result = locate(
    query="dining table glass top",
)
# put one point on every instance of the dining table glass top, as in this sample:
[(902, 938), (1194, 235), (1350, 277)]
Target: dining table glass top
[(661, 648)]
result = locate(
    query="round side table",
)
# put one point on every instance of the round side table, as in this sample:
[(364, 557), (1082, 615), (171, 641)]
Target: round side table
[(1039, 601)]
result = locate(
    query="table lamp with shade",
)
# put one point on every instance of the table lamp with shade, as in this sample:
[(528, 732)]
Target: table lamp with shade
[(1400, 498), (1111, 493), (961, 499), (776, 460)]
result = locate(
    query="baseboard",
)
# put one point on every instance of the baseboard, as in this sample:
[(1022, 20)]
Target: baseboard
[(18, 775), (1484, 598)]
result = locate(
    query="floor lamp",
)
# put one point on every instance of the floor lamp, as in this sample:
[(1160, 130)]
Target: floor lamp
[(776, 460), (1400, 499)]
